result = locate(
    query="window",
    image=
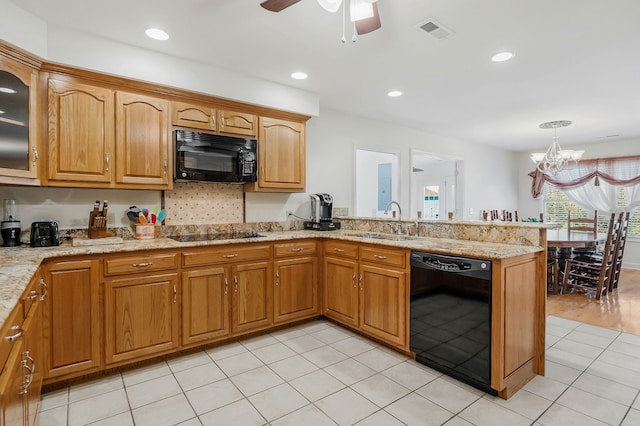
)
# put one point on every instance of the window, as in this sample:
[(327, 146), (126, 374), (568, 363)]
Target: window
[(557, 206)]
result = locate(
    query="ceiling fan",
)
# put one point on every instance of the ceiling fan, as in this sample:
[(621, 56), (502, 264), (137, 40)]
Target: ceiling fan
[(364, 13)]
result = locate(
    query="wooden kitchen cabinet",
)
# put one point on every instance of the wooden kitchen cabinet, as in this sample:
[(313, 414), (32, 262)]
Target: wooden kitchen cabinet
[(208, 117), (141, 316), (21, 379), (296, 281), (369, 294), (102, 138), (72, 317), (19, 122), (518, 305), (205, 305), (81, 126), (340, 295), (142, 141), (141, 305), (281, 156), (247, 275)]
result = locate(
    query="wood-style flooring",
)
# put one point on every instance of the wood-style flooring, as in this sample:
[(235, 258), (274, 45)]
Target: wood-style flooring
[(619, 310)]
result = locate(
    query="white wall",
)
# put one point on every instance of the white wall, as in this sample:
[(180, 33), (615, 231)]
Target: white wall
[(23, 29), (489, 178), (531, 207)]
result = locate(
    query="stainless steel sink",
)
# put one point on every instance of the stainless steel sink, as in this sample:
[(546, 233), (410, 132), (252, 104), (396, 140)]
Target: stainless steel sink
[(380, 236)]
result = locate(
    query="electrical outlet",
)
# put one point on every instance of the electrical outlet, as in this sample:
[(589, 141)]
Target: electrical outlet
[(471, 211)]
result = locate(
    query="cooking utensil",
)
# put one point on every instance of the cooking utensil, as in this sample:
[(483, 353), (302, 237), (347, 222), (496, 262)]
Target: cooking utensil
[(133, 216), (161, 215), (141, 218)]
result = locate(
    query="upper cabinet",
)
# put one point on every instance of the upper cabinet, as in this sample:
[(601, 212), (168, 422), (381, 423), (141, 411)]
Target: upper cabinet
[(18, 122), (99, 137), (207, 117), (142, 140), (81, 133), (281, 156)]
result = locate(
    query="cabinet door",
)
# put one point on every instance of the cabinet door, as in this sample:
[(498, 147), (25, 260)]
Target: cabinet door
[(142, 140), (11, 388), (252, 297), (81, 132), (71, 318), (237, 123), (383, 304), (33, 356), (205, 305), (141, 316), (18, 121), (193, 116), (296, 289), (281, 155), (340, 300)]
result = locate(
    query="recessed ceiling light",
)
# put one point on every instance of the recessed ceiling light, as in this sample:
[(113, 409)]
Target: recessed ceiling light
[(1, 111), (299, 75), (502, 56), (6, 90), (157, 34), (394, 93)]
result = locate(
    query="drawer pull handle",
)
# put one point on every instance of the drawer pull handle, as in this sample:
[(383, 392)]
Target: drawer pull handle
[(18, 333), (277, 278), (360, 281), (229, 256), (175, 293), (142, 265), (378, 256), (226, 285), (45, 289), (235, 283), (338, 250), (33, 295), (353, 280), (297, 249)]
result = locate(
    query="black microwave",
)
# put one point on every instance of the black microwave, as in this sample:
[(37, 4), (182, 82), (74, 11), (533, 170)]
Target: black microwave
[(205, 157)]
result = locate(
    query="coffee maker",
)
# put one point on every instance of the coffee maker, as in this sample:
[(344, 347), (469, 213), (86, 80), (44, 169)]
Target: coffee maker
[(10, 226), (321, 213)]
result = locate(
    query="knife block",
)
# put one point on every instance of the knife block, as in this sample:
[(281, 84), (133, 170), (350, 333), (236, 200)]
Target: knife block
[(97, 226)]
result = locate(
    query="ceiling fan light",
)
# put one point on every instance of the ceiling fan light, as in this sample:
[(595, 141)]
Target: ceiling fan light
[(360, 9), (536, 157), (330, 5)]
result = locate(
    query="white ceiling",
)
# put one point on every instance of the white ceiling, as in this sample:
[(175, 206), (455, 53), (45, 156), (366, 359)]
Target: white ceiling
[(575, 60)]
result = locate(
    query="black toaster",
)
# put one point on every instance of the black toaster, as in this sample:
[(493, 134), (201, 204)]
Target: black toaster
[(45, 234)]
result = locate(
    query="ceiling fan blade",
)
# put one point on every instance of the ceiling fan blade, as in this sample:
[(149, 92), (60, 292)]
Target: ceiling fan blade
[(364, 26), (278, 5)]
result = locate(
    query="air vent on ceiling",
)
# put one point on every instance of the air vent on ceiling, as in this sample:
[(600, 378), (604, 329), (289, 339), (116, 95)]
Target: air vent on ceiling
[(435, 29)]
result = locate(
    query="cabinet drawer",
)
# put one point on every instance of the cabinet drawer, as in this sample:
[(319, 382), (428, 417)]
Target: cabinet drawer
[(139, 263), (342, 249), (12, 327), (233, 253), (383, 256), (295, 248)]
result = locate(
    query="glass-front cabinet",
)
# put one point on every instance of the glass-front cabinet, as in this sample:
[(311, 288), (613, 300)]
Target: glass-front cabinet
[(18, 128)]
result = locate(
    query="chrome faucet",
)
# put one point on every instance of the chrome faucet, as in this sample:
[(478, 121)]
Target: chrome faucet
[(386, 209)]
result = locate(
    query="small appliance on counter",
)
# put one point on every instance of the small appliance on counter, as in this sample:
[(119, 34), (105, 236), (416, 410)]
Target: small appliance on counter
[(10, 227), (45, 234), (321, 213)]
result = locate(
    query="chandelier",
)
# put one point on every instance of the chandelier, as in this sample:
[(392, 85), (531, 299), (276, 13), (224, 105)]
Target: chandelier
[(556, 158)]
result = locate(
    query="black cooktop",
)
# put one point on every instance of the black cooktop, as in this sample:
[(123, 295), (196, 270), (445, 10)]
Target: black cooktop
[(212, 237)]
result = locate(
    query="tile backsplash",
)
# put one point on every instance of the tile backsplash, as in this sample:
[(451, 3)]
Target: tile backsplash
[(204, 203)]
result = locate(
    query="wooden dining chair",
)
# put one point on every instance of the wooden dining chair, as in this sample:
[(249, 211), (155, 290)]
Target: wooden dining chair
[(619, 251), (590, 277), (583, 224), (553, 285)]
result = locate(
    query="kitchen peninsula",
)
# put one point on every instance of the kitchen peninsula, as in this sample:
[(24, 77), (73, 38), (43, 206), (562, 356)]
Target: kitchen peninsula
[(259, 283)]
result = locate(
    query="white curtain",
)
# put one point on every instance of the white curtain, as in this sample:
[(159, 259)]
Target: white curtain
[(579, 183)]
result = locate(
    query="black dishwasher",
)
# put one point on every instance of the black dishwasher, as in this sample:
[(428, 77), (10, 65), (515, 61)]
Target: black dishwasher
[(450, 328)]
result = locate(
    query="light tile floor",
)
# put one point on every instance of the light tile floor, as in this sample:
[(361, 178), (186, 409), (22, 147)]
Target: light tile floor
[(322, 374)]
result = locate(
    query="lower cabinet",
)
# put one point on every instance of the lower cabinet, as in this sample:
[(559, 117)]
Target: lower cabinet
[(205, 305), (21, 379), (71, 318), (370, 293), (295, 291), (252, 297), (141, 316)]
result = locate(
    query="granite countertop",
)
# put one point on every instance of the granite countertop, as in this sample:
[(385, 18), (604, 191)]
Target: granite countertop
[(18, 264)]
